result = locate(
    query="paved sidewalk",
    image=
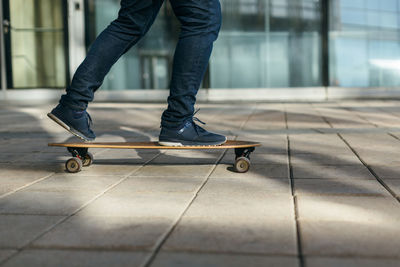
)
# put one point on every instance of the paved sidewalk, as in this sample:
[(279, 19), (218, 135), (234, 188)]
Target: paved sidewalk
[(323, 190)]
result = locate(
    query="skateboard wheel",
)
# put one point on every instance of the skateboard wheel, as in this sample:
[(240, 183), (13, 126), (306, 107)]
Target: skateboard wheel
[(242, 164), (87, 160), (74, 165)]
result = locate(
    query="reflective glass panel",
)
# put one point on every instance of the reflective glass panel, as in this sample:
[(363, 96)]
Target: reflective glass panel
[(37, 43), (268, 43), (263, 43), (364, 43)]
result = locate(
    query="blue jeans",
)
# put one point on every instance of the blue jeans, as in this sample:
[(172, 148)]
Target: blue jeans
[(200, 24)]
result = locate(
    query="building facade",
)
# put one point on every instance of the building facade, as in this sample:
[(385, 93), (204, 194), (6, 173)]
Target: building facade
[(267, 49)]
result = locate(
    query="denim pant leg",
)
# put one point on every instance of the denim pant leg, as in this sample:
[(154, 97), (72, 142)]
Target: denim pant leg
[(134, 19), (200, 24)]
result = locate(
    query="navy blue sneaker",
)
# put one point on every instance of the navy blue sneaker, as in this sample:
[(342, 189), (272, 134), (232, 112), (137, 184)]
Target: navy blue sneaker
[(190, 134), (75, 121)]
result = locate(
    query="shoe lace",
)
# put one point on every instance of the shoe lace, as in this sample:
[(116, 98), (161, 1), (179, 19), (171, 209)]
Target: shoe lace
[(89, 120), (197, 127)]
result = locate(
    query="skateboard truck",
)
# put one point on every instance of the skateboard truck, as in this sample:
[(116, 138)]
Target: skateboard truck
[(242, 160), (80, 158)]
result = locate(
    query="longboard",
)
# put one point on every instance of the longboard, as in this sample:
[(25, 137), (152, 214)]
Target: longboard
[(82, 158)]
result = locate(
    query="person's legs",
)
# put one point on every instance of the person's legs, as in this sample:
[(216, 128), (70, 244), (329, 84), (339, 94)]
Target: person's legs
[(200, 24), (134, 19)]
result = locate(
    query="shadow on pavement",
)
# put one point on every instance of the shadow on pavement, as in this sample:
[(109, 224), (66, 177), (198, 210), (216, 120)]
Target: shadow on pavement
[(233, 215)]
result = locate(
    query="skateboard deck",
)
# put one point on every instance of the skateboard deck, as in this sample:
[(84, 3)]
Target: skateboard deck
[(82, 158)]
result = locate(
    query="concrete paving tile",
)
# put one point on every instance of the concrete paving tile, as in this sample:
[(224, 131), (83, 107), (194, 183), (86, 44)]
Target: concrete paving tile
[(18, 230), (324, 144), (71, 183), (5, 253), (363, 141), (11, 184), (394, 185), (307, 127), (396, 134), (243, 185), (120, 162), (12, 157), (389, 157), (10, 171), (251, 205), (381, 119), (186, 159), (267, 124), (256, 171), (44, 203), (149, 184), (45, 157), (64, 258), (152, 204), (325, 159), (268, 236), (355, 125), (387, 172), (193, 153), (95, 232), (349, 208), (339, 238), (305, 121), (218, 260), (325, 149), (350, 262), (24, 146), (339, 187), (264, 137), (176, 170), (331, 171), (7, 139), (115, 134), (317, 139), (113, 154), (261, 115), (109, 168)]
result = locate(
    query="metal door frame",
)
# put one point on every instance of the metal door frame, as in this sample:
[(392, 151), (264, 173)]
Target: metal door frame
[(76, 35), (6, 44), (2, 54)]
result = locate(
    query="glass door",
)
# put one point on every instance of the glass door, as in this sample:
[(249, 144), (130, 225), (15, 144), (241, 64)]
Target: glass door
[(36, 43)]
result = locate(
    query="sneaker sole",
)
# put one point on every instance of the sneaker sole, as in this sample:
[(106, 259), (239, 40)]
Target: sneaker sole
[(178, 144), (69, 129)]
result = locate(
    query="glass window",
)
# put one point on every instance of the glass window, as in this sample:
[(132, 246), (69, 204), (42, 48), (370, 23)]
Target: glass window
[(38, 52), (388, 5), (353, 3), (279, 46), (364, 54), (353, 16)]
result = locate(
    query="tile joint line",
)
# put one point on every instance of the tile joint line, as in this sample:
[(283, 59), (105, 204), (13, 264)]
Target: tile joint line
[(296, 213), (149, 260)]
